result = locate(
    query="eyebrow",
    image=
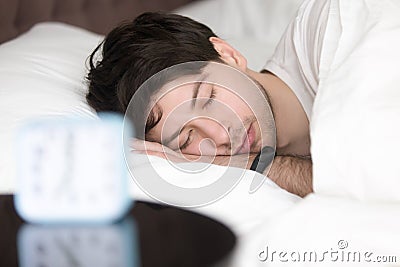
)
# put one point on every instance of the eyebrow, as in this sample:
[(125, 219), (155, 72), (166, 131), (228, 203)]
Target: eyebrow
[(196, 88), (195, 93)]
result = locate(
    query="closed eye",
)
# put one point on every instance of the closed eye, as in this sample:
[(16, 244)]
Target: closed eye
[(188, 140), (211, 98)]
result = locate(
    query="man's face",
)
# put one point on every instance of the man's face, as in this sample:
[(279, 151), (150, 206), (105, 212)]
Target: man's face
[(203, 118), (206, 119)]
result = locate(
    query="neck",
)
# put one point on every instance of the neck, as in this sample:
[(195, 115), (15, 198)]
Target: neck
[(291, 122)]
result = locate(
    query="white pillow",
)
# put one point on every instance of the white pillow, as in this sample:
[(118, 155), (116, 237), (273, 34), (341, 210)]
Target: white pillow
[(253, 27), (355, 123), (238, 209), (41, 73)]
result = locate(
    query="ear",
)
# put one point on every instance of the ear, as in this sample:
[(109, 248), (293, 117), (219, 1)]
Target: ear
[(229, 54)]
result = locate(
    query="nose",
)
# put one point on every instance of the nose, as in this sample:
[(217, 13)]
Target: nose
[(210, 129)]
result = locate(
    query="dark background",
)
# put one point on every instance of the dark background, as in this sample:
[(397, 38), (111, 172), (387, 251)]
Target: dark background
[(100, 16)]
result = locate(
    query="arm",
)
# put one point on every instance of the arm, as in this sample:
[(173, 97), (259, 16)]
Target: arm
[(292, 173)]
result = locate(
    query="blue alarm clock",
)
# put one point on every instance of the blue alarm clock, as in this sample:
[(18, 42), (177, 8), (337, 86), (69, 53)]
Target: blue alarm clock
[(72, 170)]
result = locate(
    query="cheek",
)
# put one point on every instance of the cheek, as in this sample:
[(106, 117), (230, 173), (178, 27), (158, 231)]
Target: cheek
[(205, 147)]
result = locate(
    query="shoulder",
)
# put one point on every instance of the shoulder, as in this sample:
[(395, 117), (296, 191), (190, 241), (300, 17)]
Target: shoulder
[(297, 56)]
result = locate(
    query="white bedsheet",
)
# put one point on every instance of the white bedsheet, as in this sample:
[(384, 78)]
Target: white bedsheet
[(319, 224)]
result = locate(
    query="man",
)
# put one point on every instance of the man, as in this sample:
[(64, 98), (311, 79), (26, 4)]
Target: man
[(134, 52)]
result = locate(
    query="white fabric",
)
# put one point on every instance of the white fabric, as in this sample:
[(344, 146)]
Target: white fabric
[(238, 209), (356, 127), (296, 59), (253, 27), (318, 224), (41, 73)]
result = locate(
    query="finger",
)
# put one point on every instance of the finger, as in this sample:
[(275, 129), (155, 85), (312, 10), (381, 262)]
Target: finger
[(135, 151), (146, 145), (137, 144), (154, 146), (155, 153), (168, 157)]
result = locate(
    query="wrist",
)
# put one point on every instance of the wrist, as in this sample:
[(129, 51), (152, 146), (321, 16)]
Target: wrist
[(263, 159), (241, 161)]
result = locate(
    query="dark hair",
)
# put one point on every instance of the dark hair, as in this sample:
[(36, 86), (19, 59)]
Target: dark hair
[(134, 51)]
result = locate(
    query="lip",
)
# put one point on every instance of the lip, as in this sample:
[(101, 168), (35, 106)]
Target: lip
[(247, 142)]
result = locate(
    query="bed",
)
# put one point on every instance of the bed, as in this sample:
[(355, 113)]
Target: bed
[(355, 208)]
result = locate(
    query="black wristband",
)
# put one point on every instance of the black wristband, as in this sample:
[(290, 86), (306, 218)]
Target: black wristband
[(263, 159)]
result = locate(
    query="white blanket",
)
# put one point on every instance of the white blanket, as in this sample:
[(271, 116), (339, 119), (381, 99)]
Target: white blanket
[(355, 124), (353, 217), (325, 228)]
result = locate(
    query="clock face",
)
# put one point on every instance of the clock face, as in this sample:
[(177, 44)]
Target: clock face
[(102, 246), (72, 169)]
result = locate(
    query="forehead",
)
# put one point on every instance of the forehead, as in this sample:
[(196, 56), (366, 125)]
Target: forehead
[(173, 97)]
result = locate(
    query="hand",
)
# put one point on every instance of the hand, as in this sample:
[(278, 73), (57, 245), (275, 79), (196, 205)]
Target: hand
[(156, 149)]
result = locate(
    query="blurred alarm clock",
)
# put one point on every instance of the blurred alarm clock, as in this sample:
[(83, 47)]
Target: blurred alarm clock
[(76, 245), (72, 169)]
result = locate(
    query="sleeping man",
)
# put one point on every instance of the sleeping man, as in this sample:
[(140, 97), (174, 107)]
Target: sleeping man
[(133, 52)]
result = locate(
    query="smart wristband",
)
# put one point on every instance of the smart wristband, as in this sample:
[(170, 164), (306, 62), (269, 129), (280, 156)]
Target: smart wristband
[(263, 159)]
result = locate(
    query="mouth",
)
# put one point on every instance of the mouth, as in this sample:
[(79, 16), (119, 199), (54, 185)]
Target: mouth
[(247, 142)]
